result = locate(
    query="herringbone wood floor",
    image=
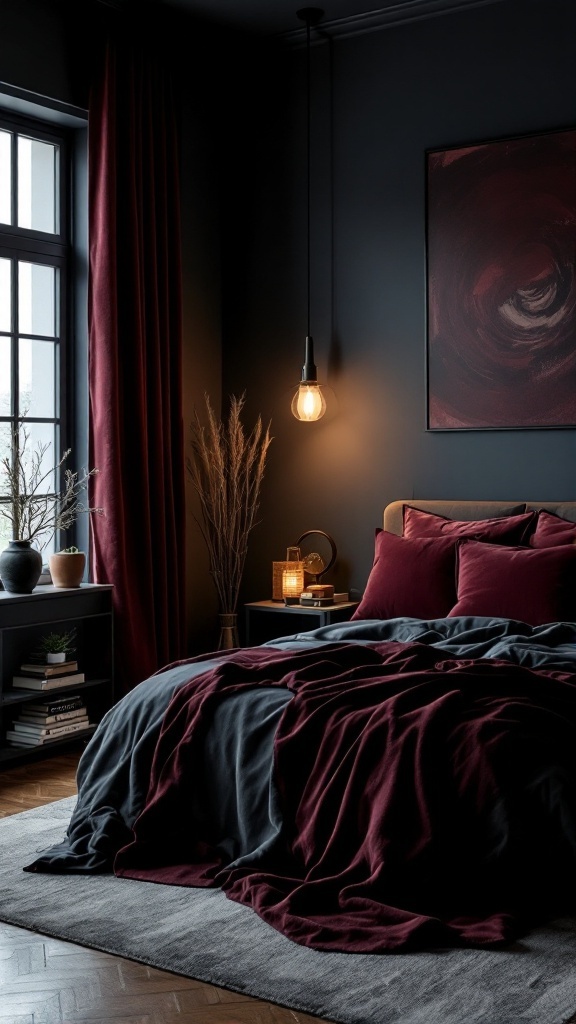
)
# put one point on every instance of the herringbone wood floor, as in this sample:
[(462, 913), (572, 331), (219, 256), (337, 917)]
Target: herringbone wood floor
[(47, 981)]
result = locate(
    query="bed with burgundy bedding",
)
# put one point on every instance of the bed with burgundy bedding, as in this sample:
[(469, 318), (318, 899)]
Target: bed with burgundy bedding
[(406, 780)]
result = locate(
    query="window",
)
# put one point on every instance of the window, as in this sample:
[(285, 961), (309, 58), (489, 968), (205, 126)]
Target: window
[(36, 314)]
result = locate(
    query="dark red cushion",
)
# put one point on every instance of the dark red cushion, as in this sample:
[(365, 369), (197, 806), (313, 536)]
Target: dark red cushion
[(533, 585), (500, 530), (413, 578), (551, 530)]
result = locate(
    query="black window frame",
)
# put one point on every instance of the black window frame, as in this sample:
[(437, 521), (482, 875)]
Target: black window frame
[(68, 250)]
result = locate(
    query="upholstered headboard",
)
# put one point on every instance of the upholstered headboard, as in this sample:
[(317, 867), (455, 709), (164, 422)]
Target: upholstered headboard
[(473, 510)]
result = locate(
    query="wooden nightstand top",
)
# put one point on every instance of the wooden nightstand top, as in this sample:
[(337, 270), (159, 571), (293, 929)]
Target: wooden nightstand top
[(266, 620), (279, 606)]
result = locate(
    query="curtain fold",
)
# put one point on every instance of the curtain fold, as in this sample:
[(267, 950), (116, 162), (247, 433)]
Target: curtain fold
[(135, 351)]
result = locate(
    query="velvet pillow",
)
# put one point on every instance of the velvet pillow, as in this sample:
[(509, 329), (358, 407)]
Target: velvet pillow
[(413, 578), (551, 530), (500, 530), (529, 584)]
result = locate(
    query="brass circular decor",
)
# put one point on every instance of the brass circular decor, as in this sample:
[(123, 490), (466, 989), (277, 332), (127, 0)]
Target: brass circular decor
[(314, 564)]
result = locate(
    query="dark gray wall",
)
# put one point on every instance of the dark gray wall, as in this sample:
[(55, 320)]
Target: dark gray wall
[(37, 50), (380, 100)]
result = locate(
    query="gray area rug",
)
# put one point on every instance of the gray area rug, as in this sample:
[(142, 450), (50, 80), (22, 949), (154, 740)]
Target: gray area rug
[(201, 934)]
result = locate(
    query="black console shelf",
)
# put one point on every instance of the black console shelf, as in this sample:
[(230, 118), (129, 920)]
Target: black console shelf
[(24, 618)]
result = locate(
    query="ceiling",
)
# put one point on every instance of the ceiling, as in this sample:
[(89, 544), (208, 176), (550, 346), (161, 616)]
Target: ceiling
[(271, 17)]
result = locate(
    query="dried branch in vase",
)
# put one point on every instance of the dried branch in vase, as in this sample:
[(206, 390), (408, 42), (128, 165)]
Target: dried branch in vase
[(34, 510), (227, 468)]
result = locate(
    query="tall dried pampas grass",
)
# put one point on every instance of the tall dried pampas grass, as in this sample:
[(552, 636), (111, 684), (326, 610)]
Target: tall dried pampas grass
[(227, 468)]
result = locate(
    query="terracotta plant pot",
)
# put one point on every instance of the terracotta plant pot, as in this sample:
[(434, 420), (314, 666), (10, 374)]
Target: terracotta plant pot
[(67, 568)]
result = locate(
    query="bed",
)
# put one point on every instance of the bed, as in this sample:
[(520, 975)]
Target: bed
[(403, 781)]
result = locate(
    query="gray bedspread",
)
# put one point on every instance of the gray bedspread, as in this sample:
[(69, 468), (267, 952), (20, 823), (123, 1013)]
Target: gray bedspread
[(551, 646)]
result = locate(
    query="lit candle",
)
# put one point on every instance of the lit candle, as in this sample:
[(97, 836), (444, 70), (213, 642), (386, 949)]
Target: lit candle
[(293, 583)]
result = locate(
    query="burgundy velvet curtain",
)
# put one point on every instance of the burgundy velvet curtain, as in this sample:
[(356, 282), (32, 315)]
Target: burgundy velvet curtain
[(135, 341)]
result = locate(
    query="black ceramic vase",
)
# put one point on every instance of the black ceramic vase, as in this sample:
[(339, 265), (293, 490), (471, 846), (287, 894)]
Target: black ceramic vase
[(20, 567)]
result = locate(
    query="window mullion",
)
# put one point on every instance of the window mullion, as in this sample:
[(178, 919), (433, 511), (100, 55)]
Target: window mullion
[(15, 410)]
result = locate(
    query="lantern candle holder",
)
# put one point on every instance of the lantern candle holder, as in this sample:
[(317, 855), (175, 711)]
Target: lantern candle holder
[(293, 582)]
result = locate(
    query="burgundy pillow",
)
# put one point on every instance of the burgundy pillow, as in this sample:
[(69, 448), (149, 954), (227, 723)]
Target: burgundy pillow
[(532, 585), (552, 530), (501, 530), (413, 578)]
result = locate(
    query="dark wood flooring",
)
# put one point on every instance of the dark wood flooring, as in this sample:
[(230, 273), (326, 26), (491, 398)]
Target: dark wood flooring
[(48, 981)]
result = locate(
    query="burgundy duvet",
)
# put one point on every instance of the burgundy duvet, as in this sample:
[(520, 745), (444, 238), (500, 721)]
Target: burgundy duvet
[(426, 800)]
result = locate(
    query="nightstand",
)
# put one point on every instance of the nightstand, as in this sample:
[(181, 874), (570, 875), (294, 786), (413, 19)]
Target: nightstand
[(268, 620)]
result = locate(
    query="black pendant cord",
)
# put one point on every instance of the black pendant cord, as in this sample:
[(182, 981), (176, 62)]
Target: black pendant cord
[(308, 168), (311, 16)]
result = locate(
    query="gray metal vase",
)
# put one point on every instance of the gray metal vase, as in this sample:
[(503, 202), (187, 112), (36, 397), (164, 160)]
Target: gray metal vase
[(20, 567)]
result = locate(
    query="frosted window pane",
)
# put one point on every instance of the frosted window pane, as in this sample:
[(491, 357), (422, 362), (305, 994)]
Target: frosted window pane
[(5, 377), (36, 299), (40, 434), (5, 295), (47, 546), (37, 185), (37, 378), (5, 177), (5, 437), (5, 533)]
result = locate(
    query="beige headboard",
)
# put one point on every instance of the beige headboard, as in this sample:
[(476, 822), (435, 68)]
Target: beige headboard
[(473, 510)]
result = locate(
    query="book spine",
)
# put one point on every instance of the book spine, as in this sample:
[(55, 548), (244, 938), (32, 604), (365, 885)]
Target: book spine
[(54, 707), (24, 730), (50, 720), (47, 671), (40, 719), (19, 739), (37, 683)]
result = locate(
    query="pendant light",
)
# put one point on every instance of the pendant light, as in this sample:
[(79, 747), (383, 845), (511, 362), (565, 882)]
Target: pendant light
[(308, 403)]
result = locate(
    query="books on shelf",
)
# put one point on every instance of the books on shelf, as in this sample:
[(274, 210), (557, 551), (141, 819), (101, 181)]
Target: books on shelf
[(52, 683), (55, 705), (40, 718), (46, 670), (41, 722), (54, 729), (22, 738), (24, 735)]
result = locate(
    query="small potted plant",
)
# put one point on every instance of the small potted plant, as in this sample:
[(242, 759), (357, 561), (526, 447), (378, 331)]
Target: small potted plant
[(67, 567), (57, 647)]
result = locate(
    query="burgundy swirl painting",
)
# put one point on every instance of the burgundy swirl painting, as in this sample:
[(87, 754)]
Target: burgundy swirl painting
[(501, 261)]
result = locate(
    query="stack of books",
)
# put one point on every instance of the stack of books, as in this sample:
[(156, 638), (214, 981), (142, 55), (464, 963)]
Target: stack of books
[(47, 721), (44, 676)]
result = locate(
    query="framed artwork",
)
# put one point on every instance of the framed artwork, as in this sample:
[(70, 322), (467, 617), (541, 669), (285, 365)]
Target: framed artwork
[(501, 284)]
